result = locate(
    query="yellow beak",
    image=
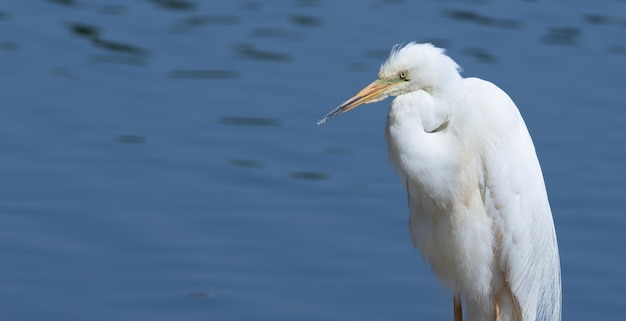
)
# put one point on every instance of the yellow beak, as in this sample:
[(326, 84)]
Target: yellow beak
[(368, 94)]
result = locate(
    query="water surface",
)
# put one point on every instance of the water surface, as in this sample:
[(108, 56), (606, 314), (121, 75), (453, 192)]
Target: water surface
[(160, 159)]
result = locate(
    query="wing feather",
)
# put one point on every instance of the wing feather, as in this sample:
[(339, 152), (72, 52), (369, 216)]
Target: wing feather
[(516, 200)]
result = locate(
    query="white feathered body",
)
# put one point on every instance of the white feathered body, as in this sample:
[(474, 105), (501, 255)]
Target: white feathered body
[(479, 211)]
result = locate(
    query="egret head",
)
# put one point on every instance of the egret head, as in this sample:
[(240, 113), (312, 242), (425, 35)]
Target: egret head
[(409, 68)]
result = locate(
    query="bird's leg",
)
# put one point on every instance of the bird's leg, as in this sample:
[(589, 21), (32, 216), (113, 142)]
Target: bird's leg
[(458, 310), (496, 308)]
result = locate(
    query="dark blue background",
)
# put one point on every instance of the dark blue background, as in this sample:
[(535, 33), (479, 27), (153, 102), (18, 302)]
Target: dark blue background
[(159, 160)]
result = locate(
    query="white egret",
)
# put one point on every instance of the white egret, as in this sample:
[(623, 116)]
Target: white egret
[(478, 205)]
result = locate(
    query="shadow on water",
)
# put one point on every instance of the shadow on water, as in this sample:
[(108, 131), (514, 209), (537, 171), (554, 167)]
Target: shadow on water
[(305, 21), (336, 151), (248, 51), (180, 5), (276, 33), (85, 30), (204, 20), (9, 46), (568, 36), (617, 49), (248, 163), (120, 47), (130, 139), (4, 16), (311, 176), (607, 21), (598, 19), (470, 16), (124, 53), (64, 2), (204, 295)]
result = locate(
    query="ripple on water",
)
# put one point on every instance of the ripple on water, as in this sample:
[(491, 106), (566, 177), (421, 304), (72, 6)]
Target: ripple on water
[(130, 139), (248, 51), (248, 163), (276, 33), (84, 30), (470, 16), (617, 49), (10, 46), (181, 5), (120, 47), (305, 21), (311, 176), (568, 36), (597, 19), (337, 151), (64, 2), (93, 33), (203, 20), (600, 19), (4, 15)]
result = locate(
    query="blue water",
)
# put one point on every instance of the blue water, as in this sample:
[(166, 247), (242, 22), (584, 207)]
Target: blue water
[(160, 159)]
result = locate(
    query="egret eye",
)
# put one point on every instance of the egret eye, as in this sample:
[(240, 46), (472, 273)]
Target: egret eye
[(403, 75)]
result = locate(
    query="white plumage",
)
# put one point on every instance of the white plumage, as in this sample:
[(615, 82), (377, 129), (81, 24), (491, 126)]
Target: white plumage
[(478, 205)]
